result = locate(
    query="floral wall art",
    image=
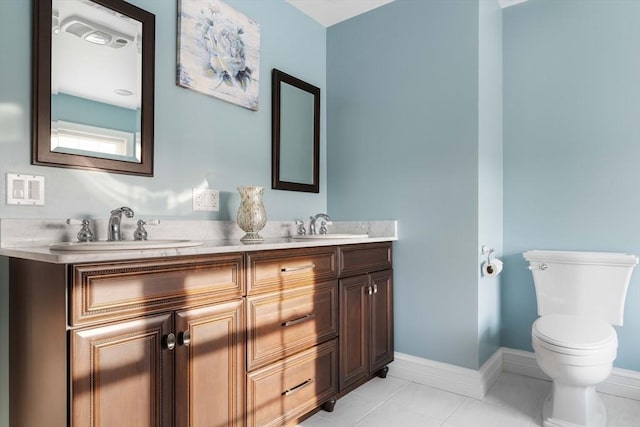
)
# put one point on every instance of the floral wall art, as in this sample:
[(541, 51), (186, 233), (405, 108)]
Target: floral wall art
[(218, 51)]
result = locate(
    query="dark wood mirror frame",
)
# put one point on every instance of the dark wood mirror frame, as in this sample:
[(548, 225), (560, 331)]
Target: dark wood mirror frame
[(41, 153), (277, 78)]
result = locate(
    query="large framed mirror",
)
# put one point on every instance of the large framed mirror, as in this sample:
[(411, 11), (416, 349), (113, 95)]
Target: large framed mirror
[(93, 85), (295, 134)]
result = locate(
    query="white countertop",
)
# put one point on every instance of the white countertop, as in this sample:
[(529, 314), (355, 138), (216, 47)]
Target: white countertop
[(380, 231), (43, 253)]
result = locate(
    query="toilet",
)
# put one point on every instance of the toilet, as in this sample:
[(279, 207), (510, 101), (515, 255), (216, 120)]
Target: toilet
[(580, 295)]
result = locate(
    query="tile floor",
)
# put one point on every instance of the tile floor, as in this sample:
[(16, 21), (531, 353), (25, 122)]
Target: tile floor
[(513, 401)]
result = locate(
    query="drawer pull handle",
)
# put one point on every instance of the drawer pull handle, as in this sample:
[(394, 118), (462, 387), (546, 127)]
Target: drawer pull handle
[(299, 319), (298, 268), (292, 390), (170, 341)]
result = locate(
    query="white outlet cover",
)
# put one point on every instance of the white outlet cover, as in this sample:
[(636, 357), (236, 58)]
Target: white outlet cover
[(27, 190), (205, 199)]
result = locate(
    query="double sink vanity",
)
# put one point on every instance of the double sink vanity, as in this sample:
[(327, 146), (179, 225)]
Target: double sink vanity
[(215, 333)]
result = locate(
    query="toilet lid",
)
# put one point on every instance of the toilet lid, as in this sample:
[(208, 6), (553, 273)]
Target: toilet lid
[(576, 332)]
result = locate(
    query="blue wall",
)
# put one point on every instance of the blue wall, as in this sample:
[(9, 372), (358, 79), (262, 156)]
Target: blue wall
[(403, 140), (571, 146)]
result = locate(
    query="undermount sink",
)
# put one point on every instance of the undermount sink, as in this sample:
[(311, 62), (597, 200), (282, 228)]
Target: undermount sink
[(331, 236), (124, 245)]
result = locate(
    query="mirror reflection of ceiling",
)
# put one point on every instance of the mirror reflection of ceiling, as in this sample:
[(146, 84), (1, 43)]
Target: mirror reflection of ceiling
[(91, 46)]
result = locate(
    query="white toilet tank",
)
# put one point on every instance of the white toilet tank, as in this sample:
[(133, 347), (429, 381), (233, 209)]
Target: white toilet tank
[(581, 283)]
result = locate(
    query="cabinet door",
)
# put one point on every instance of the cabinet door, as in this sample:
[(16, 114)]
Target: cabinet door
[(122, 374), (381, 315), (210, 366), (354, 330)]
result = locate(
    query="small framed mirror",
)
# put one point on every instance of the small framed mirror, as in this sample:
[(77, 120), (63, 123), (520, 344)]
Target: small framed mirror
[(295, 134), (93, 85)]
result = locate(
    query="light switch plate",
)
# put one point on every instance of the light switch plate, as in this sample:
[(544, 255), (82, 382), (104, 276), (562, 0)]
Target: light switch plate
[(25, 189), (205, 199)]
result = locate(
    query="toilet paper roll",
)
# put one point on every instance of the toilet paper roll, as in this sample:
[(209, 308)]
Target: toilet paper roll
[(492, 269)]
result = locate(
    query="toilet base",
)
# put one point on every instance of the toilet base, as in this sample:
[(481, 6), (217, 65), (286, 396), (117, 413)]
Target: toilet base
[(599, 418)]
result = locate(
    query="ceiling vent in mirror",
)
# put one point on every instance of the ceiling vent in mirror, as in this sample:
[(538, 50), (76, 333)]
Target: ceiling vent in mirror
[(95, 33)]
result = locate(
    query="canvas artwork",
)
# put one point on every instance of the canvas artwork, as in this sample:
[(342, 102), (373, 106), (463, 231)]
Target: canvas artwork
[(218, 52)]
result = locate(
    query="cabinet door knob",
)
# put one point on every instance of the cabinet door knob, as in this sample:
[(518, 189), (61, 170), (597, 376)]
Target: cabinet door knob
[(369, 290), (375, 288), (185, 338), (170, 341)]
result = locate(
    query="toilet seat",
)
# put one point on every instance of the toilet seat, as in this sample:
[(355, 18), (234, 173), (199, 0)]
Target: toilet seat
[(574, 335)]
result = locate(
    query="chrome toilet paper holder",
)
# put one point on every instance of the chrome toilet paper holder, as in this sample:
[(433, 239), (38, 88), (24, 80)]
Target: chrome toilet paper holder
[(493, 266), (489, 252)]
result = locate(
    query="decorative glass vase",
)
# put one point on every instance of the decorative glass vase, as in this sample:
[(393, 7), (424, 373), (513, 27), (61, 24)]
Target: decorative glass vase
[(251, 214)]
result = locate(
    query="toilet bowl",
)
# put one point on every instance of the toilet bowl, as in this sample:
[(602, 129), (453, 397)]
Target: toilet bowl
[(580, 295), (577, 352)]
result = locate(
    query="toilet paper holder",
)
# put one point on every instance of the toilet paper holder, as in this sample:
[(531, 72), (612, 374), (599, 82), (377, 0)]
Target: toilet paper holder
[(493, 266), (489, 252)]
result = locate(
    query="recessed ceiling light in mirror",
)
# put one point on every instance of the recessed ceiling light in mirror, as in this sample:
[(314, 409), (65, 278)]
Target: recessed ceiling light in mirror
[(98, 37)]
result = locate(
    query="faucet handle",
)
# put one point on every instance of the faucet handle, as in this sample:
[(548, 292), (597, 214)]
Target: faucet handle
[(85, 234), (141, 233), (301, 230), (323, 227)]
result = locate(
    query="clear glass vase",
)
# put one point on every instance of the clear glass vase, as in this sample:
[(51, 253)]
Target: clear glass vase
[(252, 216)]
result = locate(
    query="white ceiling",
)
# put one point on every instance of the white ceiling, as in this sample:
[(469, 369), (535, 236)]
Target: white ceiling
[(329, 12)]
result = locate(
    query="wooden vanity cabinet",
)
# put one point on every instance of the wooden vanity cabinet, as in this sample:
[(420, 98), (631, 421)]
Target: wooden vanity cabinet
[(260, 338), (366, 313), (156, 342)]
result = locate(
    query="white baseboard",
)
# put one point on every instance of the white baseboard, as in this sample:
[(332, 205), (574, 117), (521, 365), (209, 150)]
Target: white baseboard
[(472, 383), (464, 381)]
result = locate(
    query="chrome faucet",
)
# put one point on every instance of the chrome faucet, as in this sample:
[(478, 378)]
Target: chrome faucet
[(312, 223), (113, 228)]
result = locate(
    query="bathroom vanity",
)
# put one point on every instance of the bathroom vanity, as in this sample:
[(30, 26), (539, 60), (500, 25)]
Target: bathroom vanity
[(261, 336)]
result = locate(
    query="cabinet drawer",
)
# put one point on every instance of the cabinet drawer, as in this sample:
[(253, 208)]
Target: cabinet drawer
[(282, 323), (109, 291), (273, 270), (280, 393), (358, 259)]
